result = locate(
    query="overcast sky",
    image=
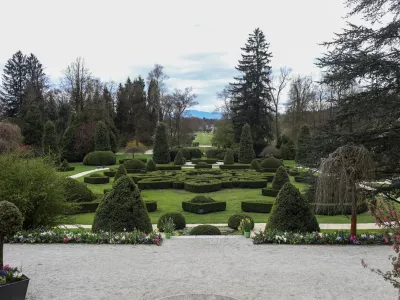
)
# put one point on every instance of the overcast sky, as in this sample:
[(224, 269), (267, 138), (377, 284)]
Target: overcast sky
[(197, 42)]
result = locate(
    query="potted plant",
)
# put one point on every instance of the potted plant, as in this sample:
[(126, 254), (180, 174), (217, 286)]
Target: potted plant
[(245, 226), (168, 226), (13, 284)]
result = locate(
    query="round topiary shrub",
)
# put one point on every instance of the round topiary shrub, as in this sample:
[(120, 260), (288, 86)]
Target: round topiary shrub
[(179, 159), (292, 212), (205, 230), (246, 150), (134, 164), (121, 171), (254, 165), (281, 177), (100, 158), (202, 199), (271, 164), (161, 149), (10, 223), (151, 166), (179, 221), (76, 191), (234, 221), (229, 158), (122, 209)]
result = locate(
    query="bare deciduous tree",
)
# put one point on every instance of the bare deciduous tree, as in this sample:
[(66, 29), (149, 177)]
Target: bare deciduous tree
[(225, 108), (157, 74)]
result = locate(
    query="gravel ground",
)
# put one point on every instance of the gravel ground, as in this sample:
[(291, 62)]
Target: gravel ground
[(228, 267)]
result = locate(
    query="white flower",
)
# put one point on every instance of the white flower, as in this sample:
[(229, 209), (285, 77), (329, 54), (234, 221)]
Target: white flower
[(363, 235), (372, 237), (339, 238)]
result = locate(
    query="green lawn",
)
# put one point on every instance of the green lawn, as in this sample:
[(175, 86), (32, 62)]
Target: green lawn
[(204, 138)]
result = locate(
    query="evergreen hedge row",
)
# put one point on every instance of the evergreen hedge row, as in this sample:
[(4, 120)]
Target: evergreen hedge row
[(99, 158), (203, 208), (234, 167), (206, 160), (99, 179), (203, 186), (168, 167), (155, 184), (256, 206)]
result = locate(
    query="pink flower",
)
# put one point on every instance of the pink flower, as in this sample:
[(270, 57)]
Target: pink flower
[(6, 267), (65, 240)]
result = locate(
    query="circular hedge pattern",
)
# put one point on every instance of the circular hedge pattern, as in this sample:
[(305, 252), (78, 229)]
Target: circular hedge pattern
[(205, 230), (234, 221), (178, 218)]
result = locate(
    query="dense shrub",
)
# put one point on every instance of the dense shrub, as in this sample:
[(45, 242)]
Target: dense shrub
[(234, 221), (219, 153), (151, 205), (254, 165), (155, 183), (134, 164), (179, 221), (203, 186), (68, 145), (122, 209), (179, 160), (160, 148), (100, 158), (203, 165), (291, 212), (110, 173), (229, 158), (288, 150), (121, 171), (246, 151), (202, 199), (151, 166), (205, 230), (188, 153), (50, 138), (271, 164), (269, 192), (206, 160), (102, 137), (281, 177), (10, 137), (168, 167), (65, 167), (34, 186), (256, 206), (203, 208), (234, 167), (303, 145), (251, 183), (96, 179), (76, 191)]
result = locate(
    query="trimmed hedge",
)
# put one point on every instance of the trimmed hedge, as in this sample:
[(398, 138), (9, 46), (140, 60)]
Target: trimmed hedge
[(121, 161), (249, 183), (134, 164), (205, 230), (234, 167), (76, 191), (220, 153), (281, 177), (188, 153), (65, 169), (179, 160), (269, 192), (109, 173), (151, 205), (151, 166), (270, 164), (255, 165), (206, 160), (178, 218), (98, 179), (168, 167), (203, 205), (234, 221), (100, 158), (203, 186), (203, 165), (155, 184), (229, 158), (254, 206)]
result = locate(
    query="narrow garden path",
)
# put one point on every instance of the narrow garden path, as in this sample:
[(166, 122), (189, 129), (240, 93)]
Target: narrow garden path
[(228, 267)]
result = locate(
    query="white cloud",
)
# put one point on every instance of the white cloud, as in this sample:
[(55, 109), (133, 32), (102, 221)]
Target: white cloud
[(123, 38)]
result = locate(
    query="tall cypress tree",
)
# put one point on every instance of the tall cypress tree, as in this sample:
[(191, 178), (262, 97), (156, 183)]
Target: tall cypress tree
[(246, 151), (251, 101), (303, 145), (161, 149)]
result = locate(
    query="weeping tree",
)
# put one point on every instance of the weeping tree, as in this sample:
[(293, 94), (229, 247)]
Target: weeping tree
[(339, 179)]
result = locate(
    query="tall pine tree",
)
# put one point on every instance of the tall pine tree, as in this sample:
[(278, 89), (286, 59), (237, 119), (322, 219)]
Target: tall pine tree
[(251, 101), (33, 127)]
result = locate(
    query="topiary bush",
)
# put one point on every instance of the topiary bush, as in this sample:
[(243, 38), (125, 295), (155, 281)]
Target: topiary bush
[(121, 171), (203, 205), (203, 185), (161, 149), (179, 221), (100, 158), (246, 150), (205, 230), (76, 191), (179, 160), (133, 165), (288, 150), (50, 138), (281, 177), (256, 206), (292, 212), (229, 158), (102, 137), (202, 199), (254, 165), (10, 223), (65, 167), (96, 179), (203, 165), (151, 205), (151, 166), (122, 209), (234, 221), (270, 164)]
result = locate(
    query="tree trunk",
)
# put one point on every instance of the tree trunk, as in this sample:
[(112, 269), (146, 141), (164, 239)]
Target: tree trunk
[(353, 229), (1, 251), (276, 123)]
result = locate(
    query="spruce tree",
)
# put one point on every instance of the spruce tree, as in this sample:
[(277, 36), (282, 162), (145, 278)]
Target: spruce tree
[(161, 150), (246, 151), (102, 137), (50, 138), (303, 145), (33, 127), (251, 100)]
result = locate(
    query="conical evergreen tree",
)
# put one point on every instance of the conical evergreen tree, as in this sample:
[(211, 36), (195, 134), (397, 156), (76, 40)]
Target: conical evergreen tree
[(102, 137), (179, 159), (50, 138), (229, 158), (33, 127), (255, 165), (281, 177), (291, 212), (151, 166), (303, 145), (122, 209), (161, 150), (121, 171), (246, 151)]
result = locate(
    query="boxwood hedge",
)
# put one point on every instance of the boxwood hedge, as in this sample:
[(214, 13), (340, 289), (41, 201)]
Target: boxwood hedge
[(203, 186), (99, 158), (256, 206), (205, 230), (270, 192), (234, 221), (168, 167), (178, 218), (203, 205), (203, 165), (206, 160), (155, 183), (96, 179), (234, 167)]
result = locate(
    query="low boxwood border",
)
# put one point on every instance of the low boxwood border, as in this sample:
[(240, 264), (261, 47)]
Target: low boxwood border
[(203, 166), (90, 207), (249, 183), (168, 167), (66, 169), (208, 160), (269, 192), (96, 180), (203, 186), (203, 208), (132, 171), (121, 161), (234, 167), (155, 184), (256, 206), (109, 173)]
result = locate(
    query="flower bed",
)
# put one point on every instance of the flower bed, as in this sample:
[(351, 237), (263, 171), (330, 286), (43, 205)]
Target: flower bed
[(41, 236), (316, 238)]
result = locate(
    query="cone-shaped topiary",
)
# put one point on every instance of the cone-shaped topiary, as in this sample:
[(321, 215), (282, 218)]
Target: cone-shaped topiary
[(179, 159), (303, 145), (229, 158), (121, 171), (64, 165), (291, 212), (10, 223), (254, 165), (49, 138), (122, 209), (161, 150), (281, 177), (102, 137), (271, 163), (288, 150), (246, 150), (151, 166)]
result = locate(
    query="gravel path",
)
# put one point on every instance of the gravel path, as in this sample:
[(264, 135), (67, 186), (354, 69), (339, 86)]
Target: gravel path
[(228, 267)]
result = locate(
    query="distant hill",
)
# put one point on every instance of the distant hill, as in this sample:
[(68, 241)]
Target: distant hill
[(202, 114)]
